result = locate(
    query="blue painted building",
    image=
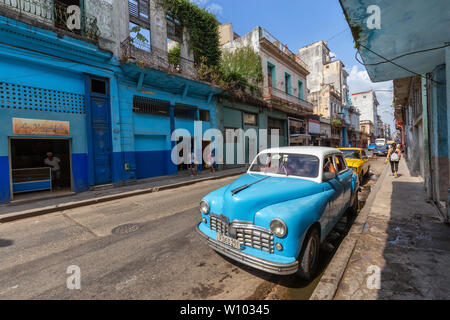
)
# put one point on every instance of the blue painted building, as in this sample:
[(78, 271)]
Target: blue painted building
[(69, 92)]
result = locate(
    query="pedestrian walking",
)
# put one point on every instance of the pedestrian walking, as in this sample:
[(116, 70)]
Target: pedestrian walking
[(211, 162), (394, 155)]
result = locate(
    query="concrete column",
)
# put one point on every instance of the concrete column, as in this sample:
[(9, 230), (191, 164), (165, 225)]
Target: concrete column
[(186, 55), (158, 33)]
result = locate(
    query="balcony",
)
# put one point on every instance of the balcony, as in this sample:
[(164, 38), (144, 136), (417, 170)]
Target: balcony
[(286, 102), (282, 48), (51, 14), (145, 55)]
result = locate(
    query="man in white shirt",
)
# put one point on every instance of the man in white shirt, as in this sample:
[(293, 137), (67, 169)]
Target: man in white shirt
[(54, 162)]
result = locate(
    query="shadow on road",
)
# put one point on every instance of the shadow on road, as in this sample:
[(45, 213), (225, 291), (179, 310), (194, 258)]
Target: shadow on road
[(6, 243)]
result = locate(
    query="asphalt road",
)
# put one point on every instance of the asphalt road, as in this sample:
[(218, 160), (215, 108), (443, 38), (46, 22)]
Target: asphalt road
[(142, 247), (154, 254)]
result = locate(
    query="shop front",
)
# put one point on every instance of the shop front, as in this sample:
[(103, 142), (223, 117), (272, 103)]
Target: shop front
[(298, 134)]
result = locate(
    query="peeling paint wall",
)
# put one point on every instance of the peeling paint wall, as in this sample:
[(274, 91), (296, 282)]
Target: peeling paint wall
[(315, 55), (104, 12)]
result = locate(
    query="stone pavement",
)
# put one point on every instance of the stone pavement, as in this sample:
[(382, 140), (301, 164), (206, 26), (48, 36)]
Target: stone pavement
[(24, 209), (398, 236)]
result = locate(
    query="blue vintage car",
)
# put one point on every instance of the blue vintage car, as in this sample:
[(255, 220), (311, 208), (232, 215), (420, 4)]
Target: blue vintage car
[(275, 216)]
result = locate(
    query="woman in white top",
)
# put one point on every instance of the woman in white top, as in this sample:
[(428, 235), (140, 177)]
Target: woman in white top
[(393, 156)]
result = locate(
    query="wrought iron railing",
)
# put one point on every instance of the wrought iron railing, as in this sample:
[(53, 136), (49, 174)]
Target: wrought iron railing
[(271, 92), (143, 53), (52, 13)]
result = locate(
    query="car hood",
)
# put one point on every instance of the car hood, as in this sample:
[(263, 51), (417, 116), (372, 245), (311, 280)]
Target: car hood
[(244, 204)]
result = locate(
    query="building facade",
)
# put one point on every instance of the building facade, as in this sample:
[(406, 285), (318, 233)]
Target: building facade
[(284, 86), (106, 105), (328, 90), (367, 104)]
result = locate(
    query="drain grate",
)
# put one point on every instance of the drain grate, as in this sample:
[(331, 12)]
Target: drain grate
[(125, 228)]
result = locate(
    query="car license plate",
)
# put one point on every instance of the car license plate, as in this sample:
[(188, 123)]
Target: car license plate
[(229, 241)]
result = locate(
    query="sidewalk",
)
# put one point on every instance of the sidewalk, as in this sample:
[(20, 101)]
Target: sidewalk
[(399, 234), (14, 211)]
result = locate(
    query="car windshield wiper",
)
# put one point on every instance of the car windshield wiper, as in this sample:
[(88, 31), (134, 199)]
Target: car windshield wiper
[(245, 186)]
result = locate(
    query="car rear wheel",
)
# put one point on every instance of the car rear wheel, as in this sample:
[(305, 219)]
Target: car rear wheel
[(367, 172), (309, 257)]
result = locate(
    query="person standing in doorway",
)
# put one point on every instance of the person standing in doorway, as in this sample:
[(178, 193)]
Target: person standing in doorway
[(54, 162), (394, 155)]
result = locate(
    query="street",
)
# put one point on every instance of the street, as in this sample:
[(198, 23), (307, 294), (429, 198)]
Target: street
[(141, 247)]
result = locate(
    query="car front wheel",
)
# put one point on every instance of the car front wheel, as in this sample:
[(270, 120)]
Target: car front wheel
[(309, 257)]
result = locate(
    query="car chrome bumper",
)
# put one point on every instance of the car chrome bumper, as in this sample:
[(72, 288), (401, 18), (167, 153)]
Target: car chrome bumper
[(249, 260)]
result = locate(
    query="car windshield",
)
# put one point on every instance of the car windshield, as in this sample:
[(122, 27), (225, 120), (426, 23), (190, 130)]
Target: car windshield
[(287, 164), (352, 154)]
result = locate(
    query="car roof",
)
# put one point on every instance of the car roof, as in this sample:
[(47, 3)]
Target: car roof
[(308, 150)]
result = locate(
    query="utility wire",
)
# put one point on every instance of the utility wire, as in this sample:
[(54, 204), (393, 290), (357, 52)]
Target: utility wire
[(337, 34), (406, 54), (390, 61)]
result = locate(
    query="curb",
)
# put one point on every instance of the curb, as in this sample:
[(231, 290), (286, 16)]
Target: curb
[(328, 284), (75, 204)]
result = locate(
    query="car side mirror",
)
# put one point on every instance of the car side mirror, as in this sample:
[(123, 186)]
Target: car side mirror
[(327, 176)]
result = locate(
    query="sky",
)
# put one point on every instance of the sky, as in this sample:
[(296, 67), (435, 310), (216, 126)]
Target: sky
[(298, 23)]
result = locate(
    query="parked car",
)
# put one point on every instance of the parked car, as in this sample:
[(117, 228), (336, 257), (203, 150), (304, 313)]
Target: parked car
[(371, 146), (275, 216), (357, 160), (381, 150)]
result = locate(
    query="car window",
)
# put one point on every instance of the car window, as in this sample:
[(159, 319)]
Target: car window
[(363, 153), (352, 154), (287, 164), (340, 163), (328, 165)]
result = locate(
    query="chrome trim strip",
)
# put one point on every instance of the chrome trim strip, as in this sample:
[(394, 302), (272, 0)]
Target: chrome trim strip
[(250, 226), (252, 261)]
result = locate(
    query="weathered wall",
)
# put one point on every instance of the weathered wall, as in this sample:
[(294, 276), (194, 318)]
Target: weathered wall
[(366, 103), (280, 69), (107, 21), (226, 33), (250, 39), (315, 56)]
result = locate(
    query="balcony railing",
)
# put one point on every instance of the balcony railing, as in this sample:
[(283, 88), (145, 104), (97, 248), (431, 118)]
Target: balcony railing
[(282, 47), (144, 54), (271, 91), (53, 14), (287, 102)]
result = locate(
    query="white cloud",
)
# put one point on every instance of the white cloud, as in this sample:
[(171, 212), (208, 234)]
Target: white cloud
[(212, 7), (359, 81), (215, 8), (200, 2)]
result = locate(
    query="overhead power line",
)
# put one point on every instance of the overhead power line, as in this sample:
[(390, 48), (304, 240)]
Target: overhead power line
[(390, 61)]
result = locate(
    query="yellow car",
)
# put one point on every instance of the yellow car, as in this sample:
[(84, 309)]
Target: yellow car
[(357, 160)]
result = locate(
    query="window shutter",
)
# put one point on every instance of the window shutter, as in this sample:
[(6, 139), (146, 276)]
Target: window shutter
[(139, 12)]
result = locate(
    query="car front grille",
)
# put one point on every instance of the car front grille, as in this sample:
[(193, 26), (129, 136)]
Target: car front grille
[(248, 234), (255, 237), (219, 224)]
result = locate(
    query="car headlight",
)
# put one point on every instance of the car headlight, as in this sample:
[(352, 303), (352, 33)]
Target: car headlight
[(204, 207), (278, 227)]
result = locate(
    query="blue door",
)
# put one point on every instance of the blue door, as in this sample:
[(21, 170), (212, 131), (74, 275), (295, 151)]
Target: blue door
[(101, 133)]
